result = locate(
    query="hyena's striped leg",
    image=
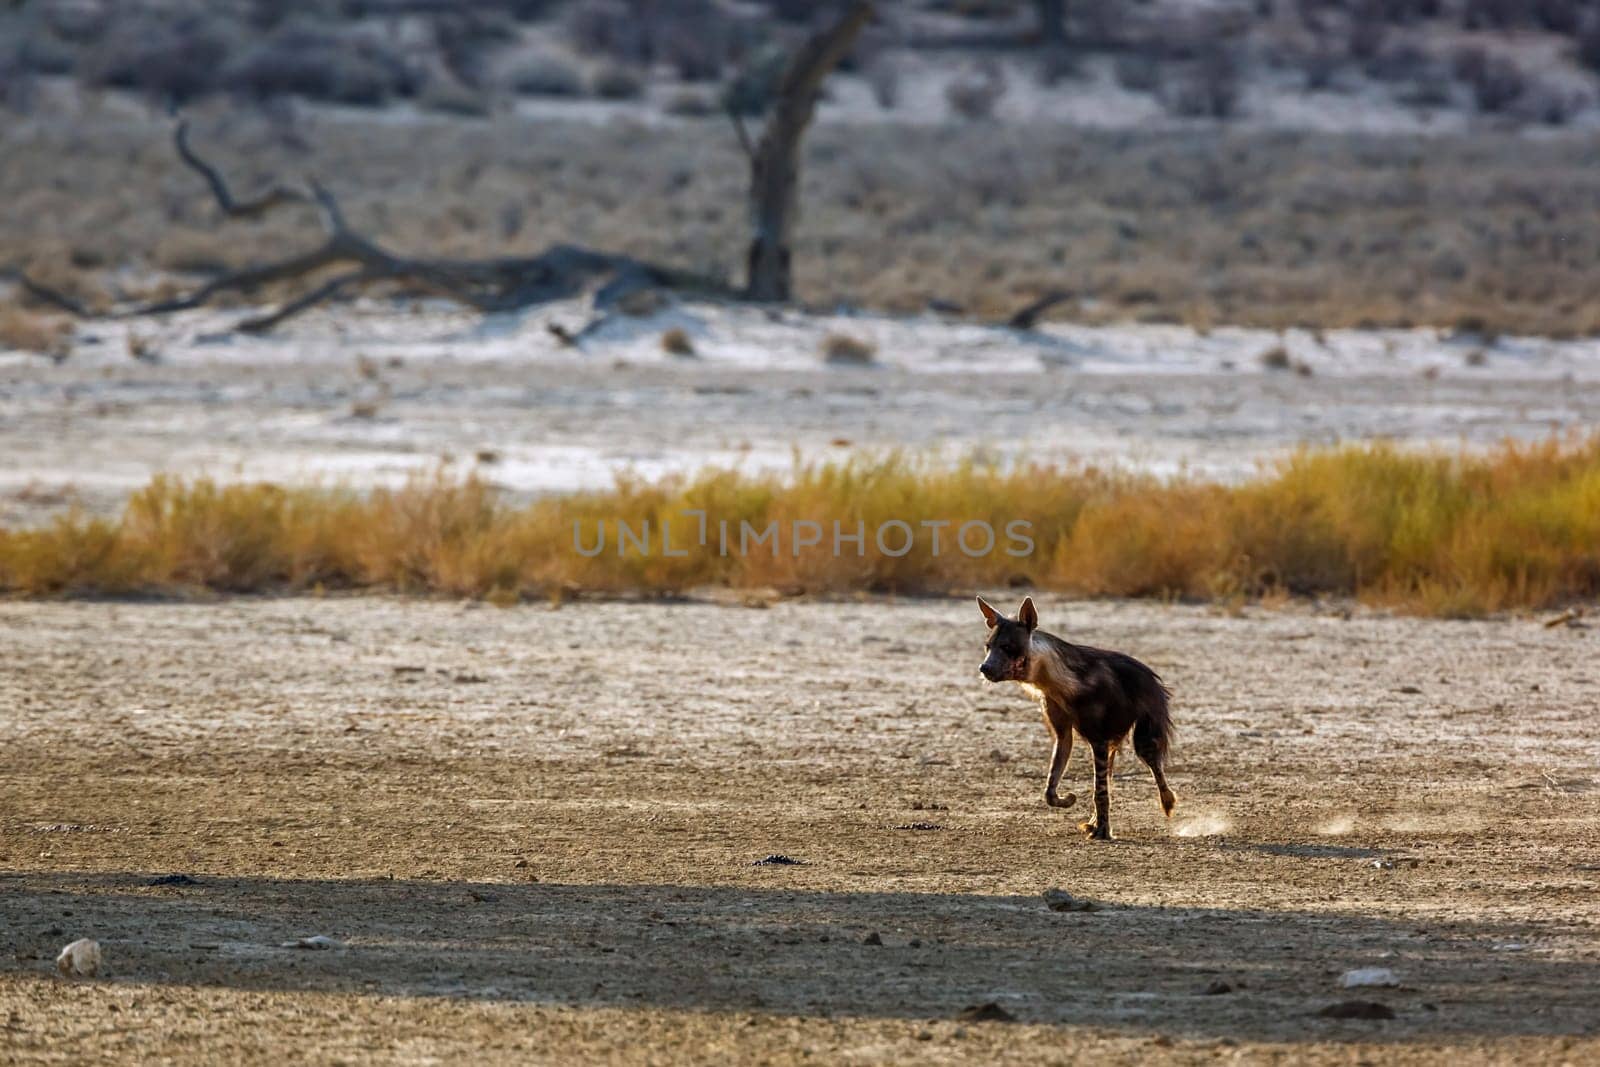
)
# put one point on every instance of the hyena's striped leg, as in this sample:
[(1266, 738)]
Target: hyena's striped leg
[(1149, 750), (1100, 829), (1060, 723), (1058, 763)]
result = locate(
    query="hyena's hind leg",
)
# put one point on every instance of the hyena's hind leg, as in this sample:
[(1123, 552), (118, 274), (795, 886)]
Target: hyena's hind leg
[(1152, 748)]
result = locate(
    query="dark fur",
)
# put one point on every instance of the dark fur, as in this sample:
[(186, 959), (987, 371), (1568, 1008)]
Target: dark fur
[(1102, 696)]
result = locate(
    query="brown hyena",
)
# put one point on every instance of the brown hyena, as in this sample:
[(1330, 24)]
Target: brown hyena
[(1102, 695)]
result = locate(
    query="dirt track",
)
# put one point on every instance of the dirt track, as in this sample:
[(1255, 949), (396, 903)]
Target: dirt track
[(533, 832)]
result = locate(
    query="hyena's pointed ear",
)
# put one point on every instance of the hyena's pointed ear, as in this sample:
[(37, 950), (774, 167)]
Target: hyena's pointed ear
[(990, 615), (1028, 615)]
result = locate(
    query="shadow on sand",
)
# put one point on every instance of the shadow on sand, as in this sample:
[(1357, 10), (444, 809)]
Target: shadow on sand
[(1134, 968)]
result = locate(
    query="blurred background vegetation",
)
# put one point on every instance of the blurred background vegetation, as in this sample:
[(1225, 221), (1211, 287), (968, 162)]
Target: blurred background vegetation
[(1267, 162)]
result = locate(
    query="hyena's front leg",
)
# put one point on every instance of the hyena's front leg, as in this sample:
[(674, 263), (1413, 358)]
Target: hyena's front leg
[(1060, 724), (1058, 763)]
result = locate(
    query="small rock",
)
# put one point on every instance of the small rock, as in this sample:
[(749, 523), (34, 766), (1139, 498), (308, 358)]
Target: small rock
[(1216, 989), (777, 859), (919, 826), (1409, 690), (1369, 976), (481, 897), (873, 938), (81, 959), (989, 1012), (1061, 900), (1357, 1009), (317, 942)]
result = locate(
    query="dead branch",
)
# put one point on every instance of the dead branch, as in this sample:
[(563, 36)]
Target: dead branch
[(775, 164), (499, 284), (742, 133), (44, 294), (1027, 317), (233, 208)]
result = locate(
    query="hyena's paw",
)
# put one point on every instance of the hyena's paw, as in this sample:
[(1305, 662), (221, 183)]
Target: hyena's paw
[(1169, 800), (1094, 831), (1061, 801)]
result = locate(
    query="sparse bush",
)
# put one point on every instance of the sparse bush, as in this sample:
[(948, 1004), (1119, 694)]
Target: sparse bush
[(190, 252), (1058, 65), (1494, 80), (883, 75), (1321, 65), (1276, 358), (614, 82), (696, 50), (609, 28), (544, 74), (1206, 88), (1398, 63), (174, 58), (842, 349), (1548, 103), (27, 331), (44, 53), (1430, 87), (676, 342), (975, 95), (797, 11), (1366, 37), (1137, 73), (445, 94), (690, 104), (1588, 46), (300, 59)]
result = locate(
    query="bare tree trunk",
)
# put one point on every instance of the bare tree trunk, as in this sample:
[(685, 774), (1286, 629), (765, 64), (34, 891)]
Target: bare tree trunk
[(1052, 22), (775, 162)]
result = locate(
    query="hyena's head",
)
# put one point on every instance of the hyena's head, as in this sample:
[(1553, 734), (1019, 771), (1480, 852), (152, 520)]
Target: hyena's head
[(1009, 642)]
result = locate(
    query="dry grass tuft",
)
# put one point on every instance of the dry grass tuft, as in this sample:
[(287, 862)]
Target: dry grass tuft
[(841, 348), (1431, 533), (1276, 358), (676, 342), (26, 331)]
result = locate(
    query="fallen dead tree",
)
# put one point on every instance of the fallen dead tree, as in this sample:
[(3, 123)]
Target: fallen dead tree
[(348, 260), (498, 284)]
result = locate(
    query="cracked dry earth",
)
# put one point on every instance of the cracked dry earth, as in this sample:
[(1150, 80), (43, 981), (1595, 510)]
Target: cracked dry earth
[(531, 834)]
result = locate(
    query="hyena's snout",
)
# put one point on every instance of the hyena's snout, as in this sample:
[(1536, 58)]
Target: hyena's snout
[(992, 669)]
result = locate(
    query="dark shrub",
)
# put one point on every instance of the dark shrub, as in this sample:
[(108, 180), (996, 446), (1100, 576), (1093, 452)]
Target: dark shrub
[(306, 60), (609, 28), (544, 74), (1205, 88), (973, 96), (1495, 82), (1137, 73), (176, 58), (1589, 45), (616, 82)]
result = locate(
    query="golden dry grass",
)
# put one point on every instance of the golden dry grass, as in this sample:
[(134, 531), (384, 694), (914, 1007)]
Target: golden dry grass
[(26, 331), (1432, 533)]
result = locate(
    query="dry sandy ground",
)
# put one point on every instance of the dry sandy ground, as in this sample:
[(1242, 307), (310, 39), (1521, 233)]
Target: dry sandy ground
[(533, 832)]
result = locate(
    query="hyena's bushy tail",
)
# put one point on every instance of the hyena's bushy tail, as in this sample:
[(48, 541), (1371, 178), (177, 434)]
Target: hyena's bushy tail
[(1152, 738)]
